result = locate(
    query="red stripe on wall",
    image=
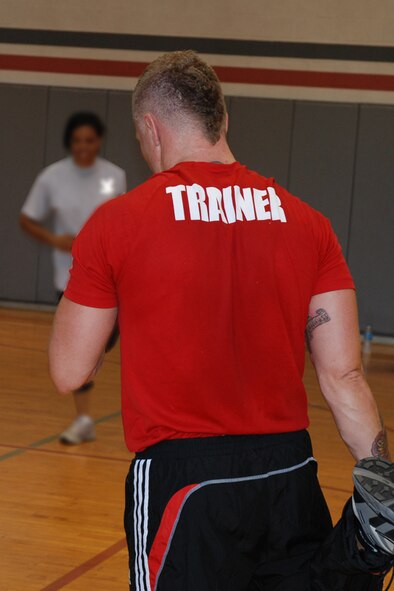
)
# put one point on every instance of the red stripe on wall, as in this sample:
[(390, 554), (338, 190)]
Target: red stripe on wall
[(305, 78), (66, 65), (268, 76)]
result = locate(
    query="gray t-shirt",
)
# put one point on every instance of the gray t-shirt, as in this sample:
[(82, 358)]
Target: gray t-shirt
[(71, 194)]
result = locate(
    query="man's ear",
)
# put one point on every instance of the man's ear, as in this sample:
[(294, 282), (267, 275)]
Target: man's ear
[(226, 122), (152, 128)]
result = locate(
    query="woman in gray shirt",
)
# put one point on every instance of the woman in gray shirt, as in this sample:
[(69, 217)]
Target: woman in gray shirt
[(70, 190)]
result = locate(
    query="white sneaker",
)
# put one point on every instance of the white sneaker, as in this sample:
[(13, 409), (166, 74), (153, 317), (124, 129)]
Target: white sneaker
[(81, 429)]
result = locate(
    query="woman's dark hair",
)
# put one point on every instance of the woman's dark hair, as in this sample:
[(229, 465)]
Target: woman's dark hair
[(79, 120)]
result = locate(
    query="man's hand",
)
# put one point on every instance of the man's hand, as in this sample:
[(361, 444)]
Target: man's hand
[(333, 339), (63, 242), (77, 344)]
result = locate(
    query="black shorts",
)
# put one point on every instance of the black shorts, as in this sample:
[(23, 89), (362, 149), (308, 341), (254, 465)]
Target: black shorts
[(235, 513), (224, 513)]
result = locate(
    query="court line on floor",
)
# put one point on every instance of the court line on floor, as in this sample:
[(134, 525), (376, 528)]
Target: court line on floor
[(64, 453), (19, 450), (50, 438), (318, 406), (128, 460), (80, 570), (37, 350), (326, 409)]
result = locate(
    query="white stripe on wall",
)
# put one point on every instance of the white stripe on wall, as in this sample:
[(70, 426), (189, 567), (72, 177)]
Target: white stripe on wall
[(230, 89)]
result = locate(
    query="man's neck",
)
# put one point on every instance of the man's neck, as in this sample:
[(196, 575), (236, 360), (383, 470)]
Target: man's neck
[(203, 152)]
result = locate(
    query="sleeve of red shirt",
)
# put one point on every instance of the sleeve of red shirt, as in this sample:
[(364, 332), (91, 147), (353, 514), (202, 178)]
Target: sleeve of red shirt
[(333, 272), (91, 280)]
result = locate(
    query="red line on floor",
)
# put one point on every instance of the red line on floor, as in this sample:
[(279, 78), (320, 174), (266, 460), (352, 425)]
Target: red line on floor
[(65, 453), (318, 406), (80, 570), (108, 553), (269, 76)]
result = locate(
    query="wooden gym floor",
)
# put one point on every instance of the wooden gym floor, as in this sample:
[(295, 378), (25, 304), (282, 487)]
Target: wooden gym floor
[(61, 507)]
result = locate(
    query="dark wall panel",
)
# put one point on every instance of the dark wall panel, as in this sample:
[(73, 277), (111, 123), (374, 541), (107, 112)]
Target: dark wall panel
[(338, 157), (371, 253), (22, 142), (122, 146), (322, 160), (62, 103), (260, 133)]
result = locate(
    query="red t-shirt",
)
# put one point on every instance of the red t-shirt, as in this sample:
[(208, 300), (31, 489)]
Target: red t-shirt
[(212, 268)]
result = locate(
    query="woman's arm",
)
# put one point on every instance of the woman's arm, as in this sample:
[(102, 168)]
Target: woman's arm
[(42, 234)]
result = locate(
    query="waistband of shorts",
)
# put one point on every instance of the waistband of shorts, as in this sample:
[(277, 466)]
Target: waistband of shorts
[(222, 444)]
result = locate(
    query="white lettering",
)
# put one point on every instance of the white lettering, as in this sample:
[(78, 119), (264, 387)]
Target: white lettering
[(107, 186), (229, 205), (197, 206), (226, 205), (260, 204), (215, 205), (277, 210), (244, 204), (177, 201)]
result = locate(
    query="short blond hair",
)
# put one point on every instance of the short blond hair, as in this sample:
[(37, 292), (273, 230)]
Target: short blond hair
[(180, 83)]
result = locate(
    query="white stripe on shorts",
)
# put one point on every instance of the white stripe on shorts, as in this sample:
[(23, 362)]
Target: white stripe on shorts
[(135, 486), (146, 520), (141, 518)]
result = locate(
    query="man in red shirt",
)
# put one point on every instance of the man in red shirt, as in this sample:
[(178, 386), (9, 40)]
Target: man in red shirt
[(215, 272)]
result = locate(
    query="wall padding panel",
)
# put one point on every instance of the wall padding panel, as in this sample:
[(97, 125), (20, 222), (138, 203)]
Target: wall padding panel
[(371, 252), (337, 157), (22, 142), (260, 133), (122, 146), (322, 160)]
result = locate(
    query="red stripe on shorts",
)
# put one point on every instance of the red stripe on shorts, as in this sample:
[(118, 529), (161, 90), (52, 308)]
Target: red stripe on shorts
[(165, 532)]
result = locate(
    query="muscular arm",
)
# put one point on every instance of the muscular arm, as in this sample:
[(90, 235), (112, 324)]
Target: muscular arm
[(42, 234), (333, 339), (77, 343)]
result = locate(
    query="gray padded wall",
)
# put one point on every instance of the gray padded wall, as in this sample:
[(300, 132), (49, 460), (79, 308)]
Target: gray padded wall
[(336, 156), (260, 134), (371, 252), (22, 142), (62, 103), (322, 160), (121, 146)]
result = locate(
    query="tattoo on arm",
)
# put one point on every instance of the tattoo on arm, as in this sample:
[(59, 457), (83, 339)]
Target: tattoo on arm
[(380, 445), (321, 317)]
